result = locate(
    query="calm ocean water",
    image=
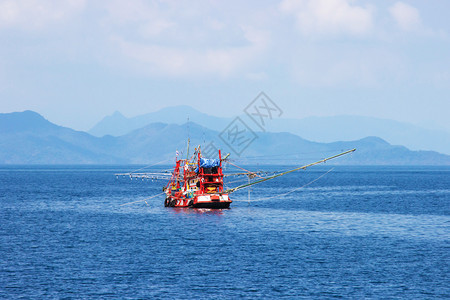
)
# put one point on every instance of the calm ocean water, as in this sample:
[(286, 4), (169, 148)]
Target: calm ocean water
[(357, 232)]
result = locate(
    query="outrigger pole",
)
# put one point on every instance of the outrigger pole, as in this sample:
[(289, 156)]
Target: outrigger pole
[(287, 172)]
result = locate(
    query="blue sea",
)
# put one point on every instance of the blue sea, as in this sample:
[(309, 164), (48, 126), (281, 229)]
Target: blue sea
[(347, 232)]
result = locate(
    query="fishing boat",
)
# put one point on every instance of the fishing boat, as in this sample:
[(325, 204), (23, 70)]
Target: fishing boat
[(198, 182)]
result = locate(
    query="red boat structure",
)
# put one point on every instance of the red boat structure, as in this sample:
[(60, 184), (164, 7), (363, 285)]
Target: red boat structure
[(198, 182)]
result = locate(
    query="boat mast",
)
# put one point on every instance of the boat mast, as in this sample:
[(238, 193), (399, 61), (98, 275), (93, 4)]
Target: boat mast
[(189, 141), (187, 153)]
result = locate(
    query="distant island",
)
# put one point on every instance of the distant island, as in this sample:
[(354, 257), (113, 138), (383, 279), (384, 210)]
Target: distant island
[(318, 129), (28, 138)]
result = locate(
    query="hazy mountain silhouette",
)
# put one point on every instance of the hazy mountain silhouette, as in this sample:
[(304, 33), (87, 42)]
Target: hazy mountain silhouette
[(117, 124), (320, 129), (348, 128), (28, 138)]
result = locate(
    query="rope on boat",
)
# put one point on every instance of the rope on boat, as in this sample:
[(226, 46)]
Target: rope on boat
[(283, 156), (282, 195), (251, 173), (143, 199), (290, 171), (149, 166), (235, 181)]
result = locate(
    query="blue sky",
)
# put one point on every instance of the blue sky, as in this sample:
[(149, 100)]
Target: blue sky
[(76, 61)]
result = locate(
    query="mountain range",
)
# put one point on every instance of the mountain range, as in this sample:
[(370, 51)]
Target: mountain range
[(28, 138), (319, 129)]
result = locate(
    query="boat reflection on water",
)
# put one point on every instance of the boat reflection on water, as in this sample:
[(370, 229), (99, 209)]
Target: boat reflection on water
[(198, 211)]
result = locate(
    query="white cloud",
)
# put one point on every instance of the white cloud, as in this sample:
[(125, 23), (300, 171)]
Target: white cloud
[(36, 14), (406, 16), (346, 65), (179, 61), (329, 16), (184, 39), (147, 17)]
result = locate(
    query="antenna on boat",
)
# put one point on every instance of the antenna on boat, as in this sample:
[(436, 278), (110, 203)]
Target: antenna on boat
[(189, 140)]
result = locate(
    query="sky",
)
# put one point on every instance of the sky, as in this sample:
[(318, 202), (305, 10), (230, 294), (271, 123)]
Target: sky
[(76, 61)]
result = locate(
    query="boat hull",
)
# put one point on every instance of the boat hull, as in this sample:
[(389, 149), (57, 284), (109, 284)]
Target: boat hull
[(214, 201), (213, 205)]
